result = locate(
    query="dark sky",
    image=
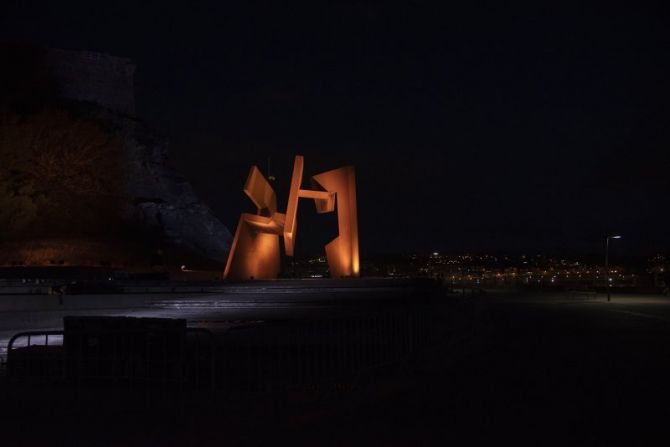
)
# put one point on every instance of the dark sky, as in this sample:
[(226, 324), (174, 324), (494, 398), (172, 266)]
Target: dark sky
[(485, 127)]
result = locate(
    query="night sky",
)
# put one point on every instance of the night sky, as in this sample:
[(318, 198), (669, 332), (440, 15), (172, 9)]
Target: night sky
[(486, 127)]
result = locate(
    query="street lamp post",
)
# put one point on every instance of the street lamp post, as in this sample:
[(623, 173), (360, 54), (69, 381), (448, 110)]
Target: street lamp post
[(607, 264)]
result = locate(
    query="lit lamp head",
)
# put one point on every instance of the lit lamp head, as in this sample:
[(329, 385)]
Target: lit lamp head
[(615, 237)]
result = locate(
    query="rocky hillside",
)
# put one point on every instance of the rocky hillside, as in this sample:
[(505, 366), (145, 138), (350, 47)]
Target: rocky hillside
[(164, 201), (68, 102)]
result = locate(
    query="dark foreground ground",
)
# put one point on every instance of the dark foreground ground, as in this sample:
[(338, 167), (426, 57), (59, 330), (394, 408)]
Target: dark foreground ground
[(533, 369), (540, 371)]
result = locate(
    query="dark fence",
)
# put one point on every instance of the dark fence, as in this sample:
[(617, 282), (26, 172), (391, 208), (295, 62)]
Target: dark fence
[(36, 357), (258, 358), (277, 356)]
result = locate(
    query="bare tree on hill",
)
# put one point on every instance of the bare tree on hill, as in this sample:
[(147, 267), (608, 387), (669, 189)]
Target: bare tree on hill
[(58, 172)]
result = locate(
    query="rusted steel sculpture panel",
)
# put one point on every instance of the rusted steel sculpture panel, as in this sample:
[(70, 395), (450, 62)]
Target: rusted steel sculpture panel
[(255, 250)]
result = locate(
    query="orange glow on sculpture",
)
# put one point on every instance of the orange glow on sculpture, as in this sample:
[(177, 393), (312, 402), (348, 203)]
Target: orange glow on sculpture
[(254, 253), (342, 252)]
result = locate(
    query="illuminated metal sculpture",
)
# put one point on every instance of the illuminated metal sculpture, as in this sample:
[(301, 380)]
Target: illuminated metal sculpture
[(254, 253)]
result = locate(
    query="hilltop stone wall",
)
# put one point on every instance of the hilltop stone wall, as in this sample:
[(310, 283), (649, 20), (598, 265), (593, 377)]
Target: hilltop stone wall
[(162, 200)]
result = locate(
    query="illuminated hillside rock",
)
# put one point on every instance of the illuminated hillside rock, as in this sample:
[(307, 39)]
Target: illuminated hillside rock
[(164, 201), (94, 90)]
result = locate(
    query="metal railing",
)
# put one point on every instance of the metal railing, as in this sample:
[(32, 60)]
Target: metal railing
[(263, 358), (282, 355), (39, 358)]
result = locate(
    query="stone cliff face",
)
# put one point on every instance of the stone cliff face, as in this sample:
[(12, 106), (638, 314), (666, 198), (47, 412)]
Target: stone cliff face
[(164, 201), (161, 200)]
